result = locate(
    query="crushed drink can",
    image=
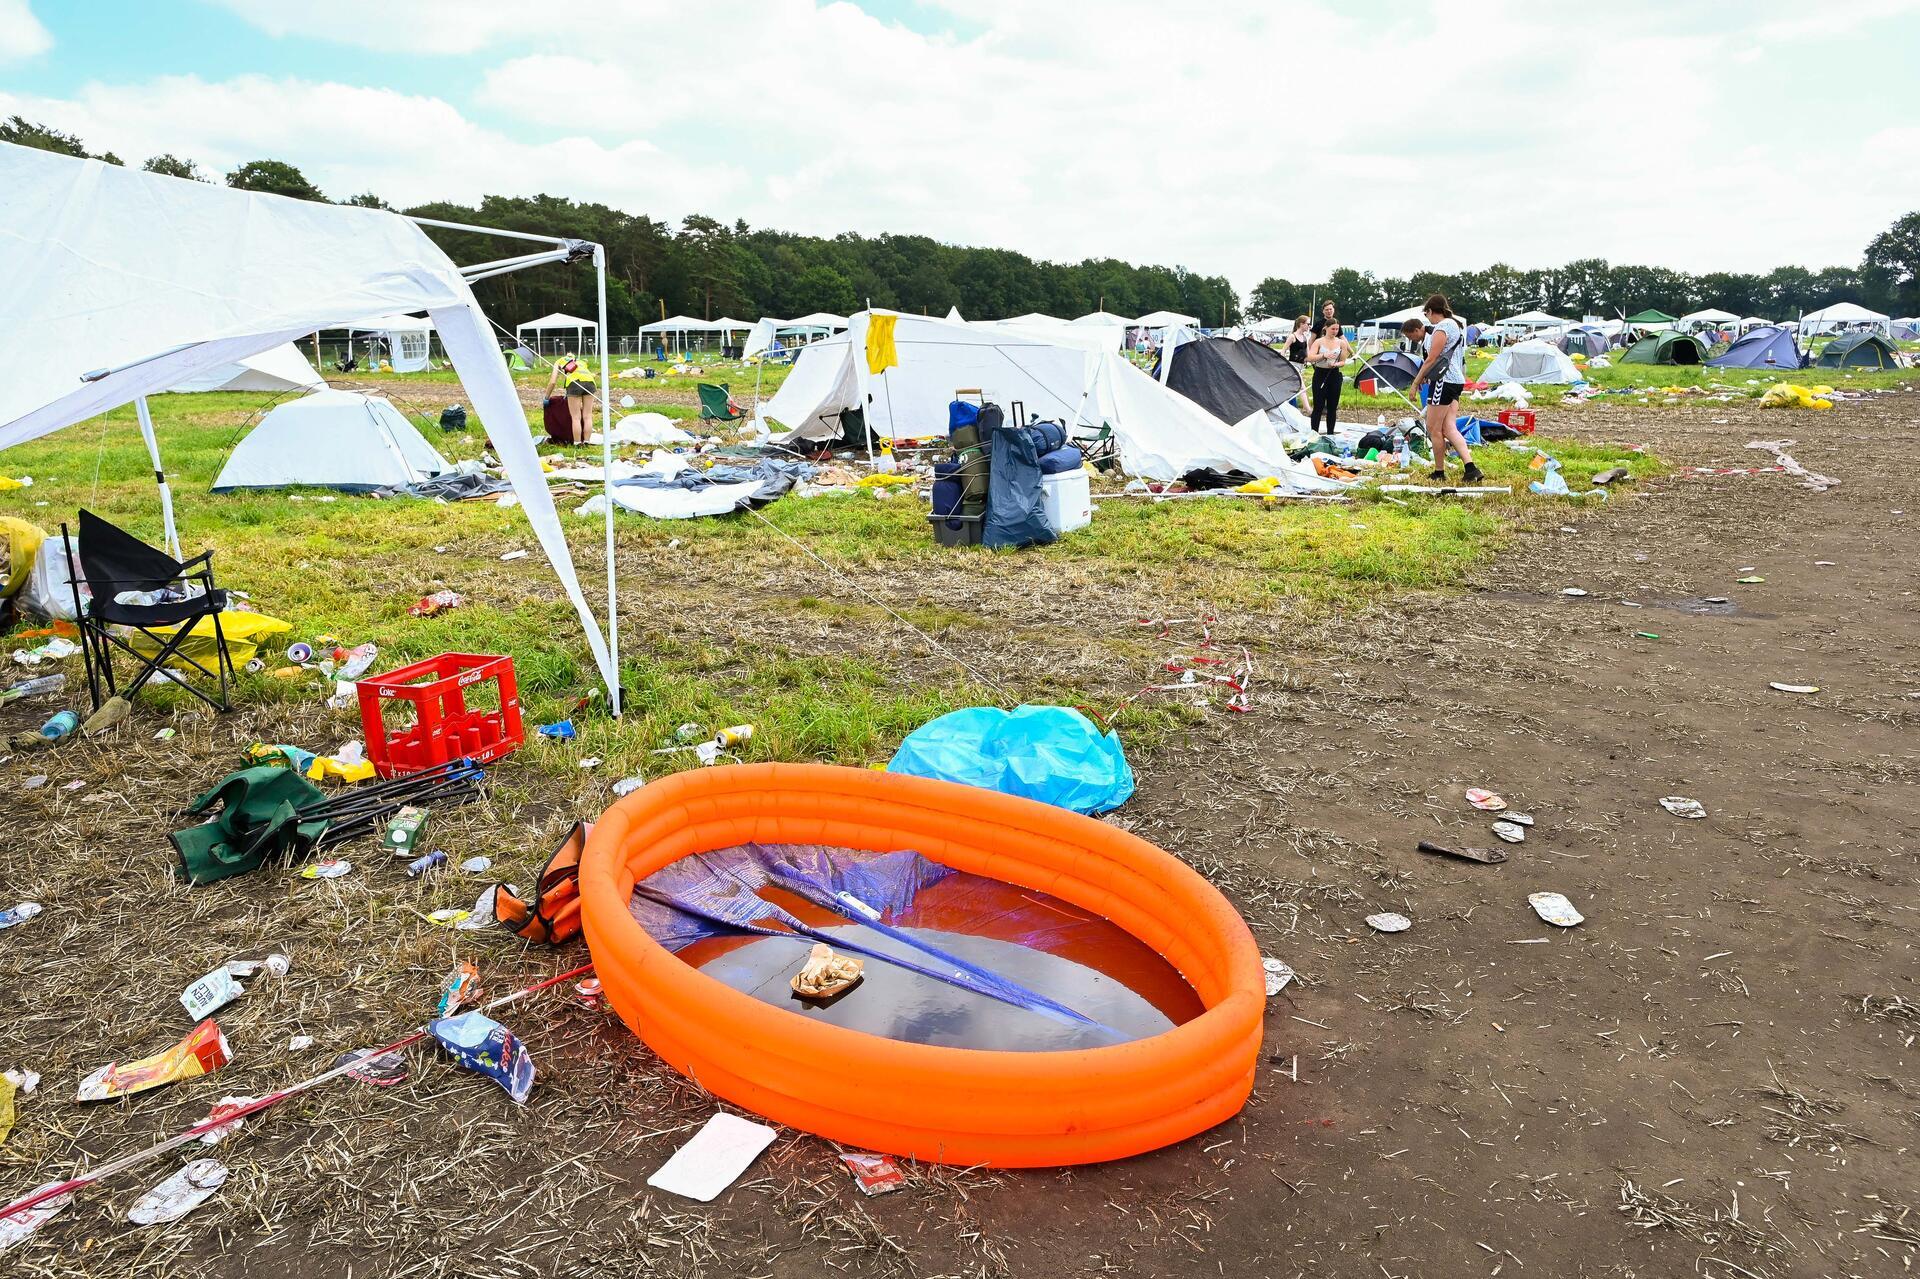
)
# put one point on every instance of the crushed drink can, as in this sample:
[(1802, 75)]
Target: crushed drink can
[(728, 738), (481, 1044)]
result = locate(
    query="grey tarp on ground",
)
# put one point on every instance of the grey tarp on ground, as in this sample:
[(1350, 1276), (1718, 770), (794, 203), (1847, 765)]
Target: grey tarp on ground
[(454, 486)]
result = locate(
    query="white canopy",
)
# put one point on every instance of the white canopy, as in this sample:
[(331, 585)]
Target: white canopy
[(1840, 315), (1053, 370), (726, 324), (1166, 320), (679, 324), (406, 337), (1709, 316), (101, 310), (1393, 321), (817, 320), (1105, 318), (389, 324), (1533, 320), (557, 320), (281, 368), (1035, 317), (331, 439)]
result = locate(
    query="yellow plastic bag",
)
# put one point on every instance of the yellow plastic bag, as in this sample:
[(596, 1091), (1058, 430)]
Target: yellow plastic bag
[(24, 540)]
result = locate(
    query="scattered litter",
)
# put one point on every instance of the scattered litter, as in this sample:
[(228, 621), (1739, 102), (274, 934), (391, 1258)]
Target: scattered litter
[(75, 784), (421, 865), (299, 1043), (1555, 909), (35, 782), (327, 868), (1823, 564), (1810, 479), (480, 914), (459, 988), (1519, 819), (1573, 591), (480, 1044), (371, 1066), (180, 1194), (226, 1106), (628, 785), (825, 974), (1485, 800), (447, 916), (1681, 806), (591, 761), (210, 993), (511, 556), (1794, 688), (873, 1174), (438, 602), (1389, 923), (276, 965), (404, 829), (21, 1224), (1645, 635), (19, 914), (1279, 976), (1751, 579), (714, 1158), (1512, 832), (476, 865), (201, 1052), (588, 993), (356, 662), (1486, 856), (559, 731)]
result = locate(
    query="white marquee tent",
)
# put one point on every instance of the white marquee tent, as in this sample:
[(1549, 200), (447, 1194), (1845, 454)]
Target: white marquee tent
[(331, 439), (282, 368), (679, 326), (1533, 320), (1388, 325), (1056, 371), (1711, 318), (1841, 315), (1166, 320), (560, 322), (407, 339), (100, 312), (1105, 318), (818, 320)]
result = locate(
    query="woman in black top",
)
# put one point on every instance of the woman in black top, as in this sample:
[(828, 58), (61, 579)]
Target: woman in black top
[(1298, 339)]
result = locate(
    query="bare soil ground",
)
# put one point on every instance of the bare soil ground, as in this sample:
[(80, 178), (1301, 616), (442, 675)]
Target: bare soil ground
[(1713, 1075)]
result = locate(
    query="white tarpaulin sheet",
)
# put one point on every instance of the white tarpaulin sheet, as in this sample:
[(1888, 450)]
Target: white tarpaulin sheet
[(283, 368), (161, 279)]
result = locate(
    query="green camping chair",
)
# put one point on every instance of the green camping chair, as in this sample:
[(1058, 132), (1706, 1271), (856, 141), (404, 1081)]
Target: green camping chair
[(716, 404), (259, 818)]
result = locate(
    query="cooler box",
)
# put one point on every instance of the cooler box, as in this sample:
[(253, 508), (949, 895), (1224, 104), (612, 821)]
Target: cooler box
[(1521, 420), (1067, 500)]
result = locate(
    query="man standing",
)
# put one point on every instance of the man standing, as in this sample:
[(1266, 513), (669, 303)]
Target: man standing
[(1327, 317), (1444, 375)]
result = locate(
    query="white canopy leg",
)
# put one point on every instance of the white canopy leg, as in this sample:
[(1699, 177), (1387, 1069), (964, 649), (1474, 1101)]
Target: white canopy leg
[(170, 533), (606, 484)]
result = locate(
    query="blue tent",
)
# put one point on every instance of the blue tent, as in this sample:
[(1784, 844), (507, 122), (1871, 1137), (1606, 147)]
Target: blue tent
[(1583, 339), (1768, 347)]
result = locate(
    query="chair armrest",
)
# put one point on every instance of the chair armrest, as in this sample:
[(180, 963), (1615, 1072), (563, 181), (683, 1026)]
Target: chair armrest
[(204, 558)]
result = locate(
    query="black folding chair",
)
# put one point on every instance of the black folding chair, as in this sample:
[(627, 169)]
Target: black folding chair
[(113, 562)]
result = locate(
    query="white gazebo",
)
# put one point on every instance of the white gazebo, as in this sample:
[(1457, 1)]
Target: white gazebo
[(1166, 320), (1382, 325), (558, 321), (679, 326), (407, 339), (1105, 318), (1842, 315), (1711, 318), (1531, 320)]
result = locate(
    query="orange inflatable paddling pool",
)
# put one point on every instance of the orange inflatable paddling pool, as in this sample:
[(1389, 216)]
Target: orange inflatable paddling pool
[(938, 1104)]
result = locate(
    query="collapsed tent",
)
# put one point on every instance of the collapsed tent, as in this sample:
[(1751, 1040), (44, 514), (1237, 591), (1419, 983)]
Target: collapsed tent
[(1395, 368), (1859, 351), (894, 375), (1667, 347), (331, 439), (100, 311), (1583, 340), (1768, 347), (282, 368), (1232, 379), (1534, 361)]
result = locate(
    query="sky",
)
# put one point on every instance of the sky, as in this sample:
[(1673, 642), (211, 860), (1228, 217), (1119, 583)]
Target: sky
[(1232, 137)]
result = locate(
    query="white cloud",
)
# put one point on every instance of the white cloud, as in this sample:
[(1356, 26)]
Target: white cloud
[(1237, 137), (21, 35)]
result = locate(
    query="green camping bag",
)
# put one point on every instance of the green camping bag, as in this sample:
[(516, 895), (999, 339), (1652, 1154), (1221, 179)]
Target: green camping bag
[(259, 818)]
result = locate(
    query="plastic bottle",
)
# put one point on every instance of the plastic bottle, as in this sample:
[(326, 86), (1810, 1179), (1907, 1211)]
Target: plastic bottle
[(35, 687), (60, 726), (885, 464)]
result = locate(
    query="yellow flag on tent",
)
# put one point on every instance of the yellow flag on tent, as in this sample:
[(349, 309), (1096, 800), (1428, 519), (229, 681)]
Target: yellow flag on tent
[(881, 355)]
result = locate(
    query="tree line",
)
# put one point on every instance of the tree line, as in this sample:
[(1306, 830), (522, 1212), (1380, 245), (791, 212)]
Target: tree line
[(707, 269)]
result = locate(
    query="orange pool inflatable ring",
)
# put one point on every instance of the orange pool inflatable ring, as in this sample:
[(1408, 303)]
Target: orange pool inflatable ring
[(942, 1105)]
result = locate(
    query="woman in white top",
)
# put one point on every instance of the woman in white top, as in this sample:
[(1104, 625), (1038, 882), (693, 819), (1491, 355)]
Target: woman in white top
[(1327, 353)]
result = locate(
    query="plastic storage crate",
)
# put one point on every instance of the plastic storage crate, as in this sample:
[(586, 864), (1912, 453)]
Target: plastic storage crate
[(443, 727)]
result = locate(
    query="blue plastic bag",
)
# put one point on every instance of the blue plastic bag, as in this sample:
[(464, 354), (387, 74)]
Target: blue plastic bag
[(1050, 753)]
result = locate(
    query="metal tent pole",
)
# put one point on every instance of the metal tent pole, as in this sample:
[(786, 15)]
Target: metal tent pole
[(606, 485), (159, 477)]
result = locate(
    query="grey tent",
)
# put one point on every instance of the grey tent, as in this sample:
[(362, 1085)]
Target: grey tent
[(1771, 346), (331, 439), (1395, 368), (1232, 379), (1859, 351), (1584, 340)]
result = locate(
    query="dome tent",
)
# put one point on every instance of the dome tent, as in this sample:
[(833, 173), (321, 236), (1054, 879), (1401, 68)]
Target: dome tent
[(1770, 346), (1533, 361), (1584, 340), (1395, 368), (331, 439), (1668, 347), (1231, 379), (1859, 351)]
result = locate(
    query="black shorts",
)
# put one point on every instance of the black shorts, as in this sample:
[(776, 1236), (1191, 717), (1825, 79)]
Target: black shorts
[(1444, 393), (581, 389)]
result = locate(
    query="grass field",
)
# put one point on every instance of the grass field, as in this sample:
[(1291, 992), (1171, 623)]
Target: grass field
[(726, 650)]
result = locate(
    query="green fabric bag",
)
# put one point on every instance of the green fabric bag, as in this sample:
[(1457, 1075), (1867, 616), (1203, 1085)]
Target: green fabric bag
[(258, 818)]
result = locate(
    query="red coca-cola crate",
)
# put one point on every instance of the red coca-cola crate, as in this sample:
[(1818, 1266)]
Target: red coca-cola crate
[(1520, 420), (444, 727)]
